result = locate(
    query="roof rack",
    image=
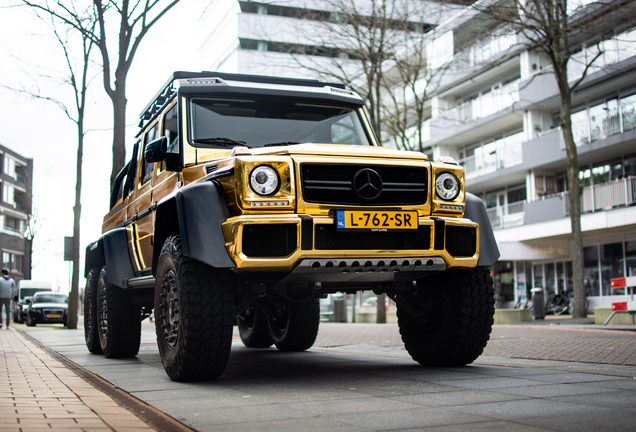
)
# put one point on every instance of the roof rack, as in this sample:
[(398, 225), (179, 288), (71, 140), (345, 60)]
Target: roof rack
[(168, 90)]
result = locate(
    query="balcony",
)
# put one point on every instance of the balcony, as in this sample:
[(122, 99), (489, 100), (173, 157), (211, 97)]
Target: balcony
[(487, 104), (604, 120), (507, 216), (495, 155), (606, 196)]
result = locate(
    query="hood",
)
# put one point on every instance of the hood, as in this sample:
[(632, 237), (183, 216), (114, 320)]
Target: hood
[(339, 150)]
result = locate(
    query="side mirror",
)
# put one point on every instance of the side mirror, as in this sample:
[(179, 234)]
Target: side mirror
[(156, 151), (28, 301)]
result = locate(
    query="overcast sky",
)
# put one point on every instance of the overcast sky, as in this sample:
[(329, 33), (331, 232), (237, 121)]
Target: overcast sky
[(39, 130)]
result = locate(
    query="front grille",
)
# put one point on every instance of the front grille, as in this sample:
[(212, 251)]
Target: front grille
[(269, 240), (333, 184), (461, 241), (328, 238)]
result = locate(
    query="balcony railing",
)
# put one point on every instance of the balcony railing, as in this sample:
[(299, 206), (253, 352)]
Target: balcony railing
[(502, 153), (593, 128), (507, 216), (487, 104), (606, 196)]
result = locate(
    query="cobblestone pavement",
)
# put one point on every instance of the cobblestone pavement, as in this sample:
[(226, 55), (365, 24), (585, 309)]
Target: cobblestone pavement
[(358, 377), (546, 342), (39, 393)]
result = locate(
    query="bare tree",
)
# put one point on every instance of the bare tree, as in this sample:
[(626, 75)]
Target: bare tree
[(76, 49), (408, 86), (559, 28), (116, 28)]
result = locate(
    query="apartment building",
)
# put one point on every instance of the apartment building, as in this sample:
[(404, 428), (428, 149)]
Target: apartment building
[(498, 113), (15, 206), (276, 37)]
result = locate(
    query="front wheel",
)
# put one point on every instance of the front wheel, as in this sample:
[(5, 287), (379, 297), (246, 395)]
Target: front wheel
[(252, 325), (294, 325), (30, 321), (454, 317), (193, 311), (118, 320)]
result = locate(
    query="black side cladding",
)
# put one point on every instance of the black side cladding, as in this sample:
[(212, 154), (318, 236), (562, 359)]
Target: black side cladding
[(476, 211)]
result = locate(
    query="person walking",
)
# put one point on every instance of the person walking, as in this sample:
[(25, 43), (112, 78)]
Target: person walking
[(7, 288)]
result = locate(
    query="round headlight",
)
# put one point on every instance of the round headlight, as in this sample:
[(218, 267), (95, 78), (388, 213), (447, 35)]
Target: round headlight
[(264, 180), (447, 186)]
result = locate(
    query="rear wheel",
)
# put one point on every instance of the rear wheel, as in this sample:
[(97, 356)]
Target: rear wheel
[(118, 319), (294, 325), (91, 327), (455, 317), (193, 315), (252, 325)]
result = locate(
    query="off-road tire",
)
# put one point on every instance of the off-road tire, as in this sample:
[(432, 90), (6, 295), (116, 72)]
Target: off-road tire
[(119, 320), (29, 321), (295, 327), (193, 315), (91, 327), (461, 305), (253, 328)]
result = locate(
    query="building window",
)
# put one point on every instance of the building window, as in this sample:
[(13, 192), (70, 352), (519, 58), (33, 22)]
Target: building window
[(611, 267), (9, 167), (8, 195), (590, 270), (13, 224), (12, 261)]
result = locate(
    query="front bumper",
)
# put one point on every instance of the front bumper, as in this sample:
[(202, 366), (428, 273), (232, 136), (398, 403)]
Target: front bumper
[(305, 244)]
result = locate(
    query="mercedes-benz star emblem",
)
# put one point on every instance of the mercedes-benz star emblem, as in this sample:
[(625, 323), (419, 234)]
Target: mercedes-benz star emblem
[(367, 184)]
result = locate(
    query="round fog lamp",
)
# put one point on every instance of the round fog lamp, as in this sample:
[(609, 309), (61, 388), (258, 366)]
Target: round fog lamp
[(447, 186), (264, 180)]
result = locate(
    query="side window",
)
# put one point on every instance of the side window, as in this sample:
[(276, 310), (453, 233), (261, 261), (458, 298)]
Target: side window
[(146, 172), (172, 130)]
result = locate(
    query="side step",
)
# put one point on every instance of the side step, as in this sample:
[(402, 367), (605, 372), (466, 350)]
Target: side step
[(139, 282)]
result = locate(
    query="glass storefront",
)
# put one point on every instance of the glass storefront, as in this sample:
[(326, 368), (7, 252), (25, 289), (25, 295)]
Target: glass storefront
[(601, 263)]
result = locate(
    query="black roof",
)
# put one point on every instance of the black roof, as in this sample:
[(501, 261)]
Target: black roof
[(167, 90)]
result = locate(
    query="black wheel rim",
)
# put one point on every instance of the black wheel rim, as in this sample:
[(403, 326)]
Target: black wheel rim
[(102, 316), (247, 318), (170, 315), (278, 323)]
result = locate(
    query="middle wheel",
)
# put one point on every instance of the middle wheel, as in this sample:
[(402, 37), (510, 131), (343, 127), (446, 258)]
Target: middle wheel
[(294, 325)]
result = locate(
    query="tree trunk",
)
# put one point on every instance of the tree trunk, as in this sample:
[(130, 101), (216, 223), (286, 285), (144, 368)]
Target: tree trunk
[(77, 210), (574, 201), (119, 129)]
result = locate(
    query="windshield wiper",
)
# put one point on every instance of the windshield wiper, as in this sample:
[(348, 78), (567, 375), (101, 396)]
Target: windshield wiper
[(281, 144), (225, 142)]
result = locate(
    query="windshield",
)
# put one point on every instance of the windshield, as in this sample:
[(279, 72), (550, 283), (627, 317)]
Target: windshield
[(50, 298), (262, 122)]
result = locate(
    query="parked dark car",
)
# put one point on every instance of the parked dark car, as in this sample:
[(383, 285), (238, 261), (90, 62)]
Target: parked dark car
[(47, 308), (21, 306)]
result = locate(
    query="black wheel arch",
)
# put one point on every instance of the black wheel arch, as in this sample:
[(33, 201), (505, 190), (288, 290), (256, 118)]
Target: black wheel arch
[(476, 212), (111, 250), (196, 213)]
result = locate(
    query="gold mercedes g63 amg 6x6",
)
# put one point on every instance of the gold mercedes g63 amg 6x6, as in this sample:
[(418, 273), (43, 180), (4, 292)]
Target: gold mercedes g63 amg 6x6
[(248, 198)]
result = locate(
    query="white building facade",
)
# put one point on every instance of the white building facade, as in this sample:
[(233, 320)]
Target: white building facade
[(498, 112)]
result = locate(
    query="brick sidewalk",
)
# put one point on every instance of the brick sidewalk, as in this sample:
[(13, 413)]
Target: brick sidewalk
[(37, 392)]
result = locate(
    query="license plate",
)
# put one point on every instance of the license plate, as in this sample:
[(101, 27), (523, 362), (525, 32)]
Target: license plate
[(378, 221), (54, 316)]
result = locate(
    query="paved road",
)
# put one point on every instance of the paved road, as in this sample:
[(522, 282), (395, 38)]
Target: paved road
[(359, 378)]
